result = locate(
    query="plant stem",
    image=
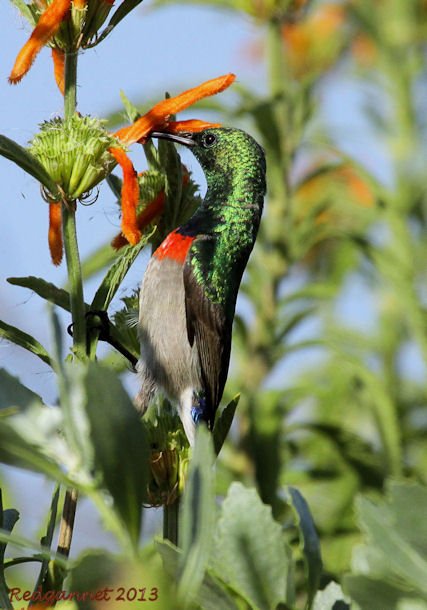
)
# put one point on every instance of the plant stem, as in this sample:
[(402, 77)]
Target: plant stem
[(75, 285), (70, 86), (67, 522), (72, 256), (170, 522), (77, 304)]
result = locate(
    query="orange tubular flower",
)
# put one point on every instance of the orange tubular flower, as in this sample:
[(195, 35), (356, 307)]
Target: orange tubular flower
[(158, 118), (338, 183), (144, 218), (47, 26), (130, 196), (55, 233), (313, 44), (192, 125), (58, 57)]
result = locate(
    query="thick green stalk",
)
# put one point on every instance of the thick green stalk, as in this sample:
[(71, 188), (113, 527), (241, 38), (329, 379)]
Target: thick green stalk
[(170, 522)]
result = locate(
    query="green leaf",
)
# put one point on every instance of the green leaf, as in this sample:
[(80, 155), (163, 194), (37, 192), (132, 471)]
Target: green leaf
[(8, 518), (46, 541), (197, 518), (125, 7), (19, 155), (29, 545), (45, 290), (171, 162), (92, 571), (309, 540), (30, 440), (24, 10), (13, 393), (250, 551), (132, 114), (392, 565), (371, 593), (411, 604), (125, 322), (291, 322), (29, 431), (388, 538), (213, 593), (19, 337), (120, 444), (131, 584), (238, 5), (170, 555), (57, 338), (331, 598), (223, 422), (116, 274), (98, 260), (356, 452)]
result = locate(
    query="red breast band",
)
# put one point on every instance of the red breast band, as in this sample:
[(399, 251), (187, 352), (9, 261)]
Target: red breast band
[(175, 246)]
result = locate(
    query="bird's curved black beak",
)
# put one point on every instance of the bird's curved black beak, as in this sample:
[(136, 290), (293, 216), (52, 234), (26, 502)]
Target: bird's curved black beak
[(186, 139)]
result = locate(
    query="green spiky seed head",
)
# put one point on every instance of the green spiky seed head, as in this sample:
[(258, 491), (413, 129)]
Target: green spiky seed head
[(75, 153)]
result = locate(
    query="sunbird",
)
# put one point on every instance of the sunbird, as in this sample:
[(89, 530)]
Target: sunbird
[(189, 290)]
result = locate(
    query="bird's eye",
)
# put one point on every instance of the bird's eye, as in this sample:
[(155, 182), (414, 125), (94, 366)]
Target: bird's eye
[(209, 140)]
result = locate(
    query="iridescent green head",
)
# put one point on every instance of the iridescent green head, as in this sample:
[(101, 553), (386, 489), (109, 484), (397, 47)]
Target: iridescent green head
[(225, 152)]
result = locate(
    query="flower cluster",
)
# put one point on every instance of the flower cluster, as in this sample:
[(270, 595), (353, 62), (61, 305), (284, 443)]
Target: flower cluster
[(65, 26)]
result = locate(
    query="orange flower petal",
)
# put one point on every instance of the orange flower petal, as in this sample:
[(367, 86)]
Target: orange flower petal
[(48, 24), (157, 117), (192, 125), (58, 57), (80, 4), (55, 232), (144, 218), (130, 196)]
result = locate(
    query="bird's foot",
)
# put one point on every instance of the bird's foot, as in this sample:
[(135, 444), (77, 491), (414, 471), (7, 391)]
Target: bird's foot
[(199, 408), (98, 320)]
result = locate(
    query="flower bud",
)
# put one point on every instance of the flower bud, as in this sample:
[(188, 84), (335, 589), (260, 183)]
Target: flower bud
[(75, 153)]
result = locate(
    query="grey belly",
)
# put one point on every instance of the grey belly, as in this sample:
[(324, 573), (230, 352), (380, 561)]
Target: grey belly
[(166, 355)]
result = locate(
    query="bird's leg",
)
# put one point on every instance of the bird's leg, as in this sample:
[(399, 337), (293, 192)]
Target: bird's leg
[(101, 322)]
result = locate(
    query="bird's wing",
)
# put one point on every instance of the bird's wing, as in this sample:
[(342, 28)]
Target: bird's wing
[(209, 326)]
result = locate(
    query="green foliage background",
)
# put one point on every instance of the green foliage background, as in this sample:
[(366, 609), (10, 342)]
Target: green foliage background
[(347, 427)]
